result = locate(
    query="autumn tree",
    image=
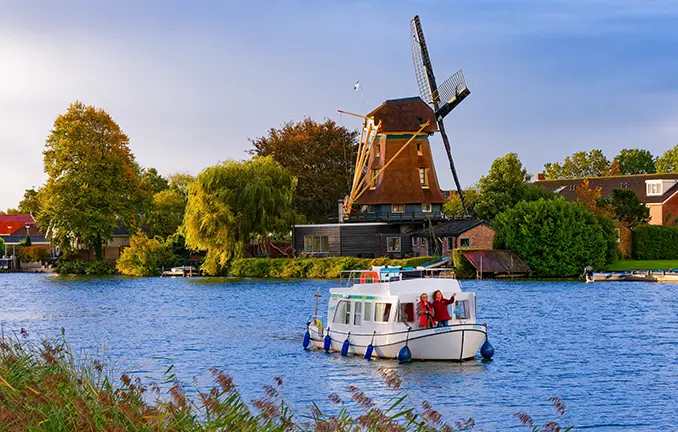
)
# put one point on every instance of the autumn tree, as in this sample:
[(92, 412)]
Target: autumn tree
[(166, 214), (229, 204), (320, 155), (92, 184), (668, 162), (581, 165), (592, 199), (635, 161), (179, 182)]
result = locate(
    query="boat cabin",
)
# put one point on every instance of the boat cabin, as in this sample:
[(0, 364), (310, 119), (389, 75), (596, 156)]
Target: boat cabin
[(384, 306)]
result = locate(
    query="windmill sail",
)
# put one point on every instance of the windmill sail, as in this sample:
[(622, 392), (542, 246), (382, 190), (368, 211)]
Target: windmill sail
[(443, 99)]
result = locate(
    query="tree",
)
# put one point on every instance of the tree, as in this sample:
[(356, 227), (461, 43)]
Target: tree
[(10, 211), (320, 155), (627, 207), (31, 202), (154, 180), (179, 182), (668, 162), (167, 213), (229, 204), (453, 208), (144, 257), (502, 187), (592, 199), (2, 247), (581, 165), (92, 184), (635, 161), (556, 238)]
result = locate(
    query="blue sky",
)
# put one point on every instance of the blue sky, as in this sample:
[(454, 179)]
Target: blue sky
[(190, 82)]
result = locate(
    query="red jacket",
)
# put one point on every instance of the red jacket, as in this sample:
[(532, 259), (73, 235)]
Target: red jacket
[(425, 313), (440, 308)]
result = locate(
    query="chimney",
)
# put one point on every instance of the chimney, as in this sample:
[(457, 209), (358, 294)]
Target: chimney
[(541, 177)]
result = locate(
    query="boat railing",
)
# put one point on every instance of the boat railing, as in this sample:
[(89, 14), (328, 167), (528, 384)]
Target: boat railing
[(348, 278)]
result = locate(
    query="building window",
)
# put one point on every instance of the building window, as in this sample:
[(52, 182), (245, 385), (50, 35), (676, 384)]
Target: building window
[(423, 178), (316, 244), (419, 150), (415, 241), (617, 232), (450, 243), (371, 209), (625, 185), (427, 207), (464, 242), (375, 173), (572, 187), (398, 208), (393, 244), (654, 188), (377, 149)]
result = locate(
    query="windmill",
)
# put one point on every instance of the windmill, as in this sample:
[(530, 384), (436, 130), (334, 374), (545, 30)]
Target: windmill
[(443, 98)]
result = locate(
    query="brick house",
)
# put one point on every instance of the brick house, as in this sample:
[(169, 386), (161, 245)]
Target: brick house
[(658, 191), (443, 238)]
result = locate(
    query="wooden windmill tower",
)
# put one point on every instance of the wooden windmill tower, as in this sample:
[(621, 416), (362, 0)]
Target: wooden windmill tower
[(395, 179)]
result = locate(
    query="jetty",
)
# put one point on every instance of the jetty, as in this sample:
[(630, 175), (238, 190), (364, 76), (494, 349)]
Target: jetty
[(183, 271), (670, 276)]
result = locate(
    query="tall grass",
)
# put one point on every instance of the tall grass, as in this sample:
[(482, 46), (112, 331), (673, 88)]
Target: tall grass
[(44, 387)]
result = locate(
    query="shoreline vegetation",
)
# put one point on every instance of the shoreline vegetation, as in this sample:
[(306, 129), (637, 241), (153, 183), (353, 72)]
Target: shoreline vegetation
[(44, 386)]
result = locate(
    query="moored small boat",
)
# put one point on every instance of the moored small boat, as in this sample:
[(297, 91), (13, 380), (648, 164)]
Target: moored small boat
[(375, 317)]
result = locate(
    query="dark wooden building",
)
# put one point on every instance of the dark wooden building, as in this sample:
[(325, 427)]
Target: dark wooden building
[(363, 240)]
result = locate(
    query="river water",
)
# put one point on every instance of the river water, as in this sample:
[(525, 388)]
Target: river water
[(610, 350)]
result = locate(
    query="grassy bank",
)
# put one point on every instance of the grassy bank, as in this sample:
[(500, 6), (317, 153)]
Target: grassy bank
[(627, 265), (320, 268), (44, 387)]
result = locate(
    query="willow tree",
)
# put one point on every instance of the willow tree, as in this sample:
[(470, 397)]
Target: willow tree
[(231, 203), (92, 184)]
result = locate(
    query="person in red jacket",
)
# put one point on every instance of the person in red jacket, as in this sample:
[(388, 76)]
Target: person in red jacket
[(440, 308), (425, 312)]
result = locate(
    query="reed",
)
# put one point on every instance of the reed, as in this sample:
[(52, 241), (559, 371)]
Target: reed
[(45, 387)]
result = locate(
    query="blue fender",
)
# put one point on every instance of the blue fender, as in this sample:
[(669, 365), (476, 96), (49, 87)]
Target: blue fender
[(487, 350), (327, 343), (307, 339), (344, 347), (368, 352), (404, 355)]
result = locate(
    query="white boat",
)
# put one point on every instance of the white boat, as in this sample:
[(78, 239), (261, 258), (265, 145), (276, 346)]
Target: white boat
[(377, 315)]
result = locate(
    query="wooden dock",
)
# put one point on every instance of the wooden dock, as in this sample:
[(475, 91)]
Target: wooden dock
[(183, 271), (636, 276)]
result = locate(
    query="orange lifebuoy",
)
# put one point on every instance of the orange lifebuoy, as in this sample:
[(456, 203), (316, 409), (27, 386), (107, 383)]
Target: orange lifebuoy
[(373, 274)]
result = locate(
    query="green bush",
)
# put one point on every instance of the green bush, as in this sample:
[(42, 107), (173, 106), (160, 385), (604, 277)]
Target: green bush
[(556, 238), (97, 267), (652, 242), (144, 257), (315, 268), (32, 254), (2, 247)]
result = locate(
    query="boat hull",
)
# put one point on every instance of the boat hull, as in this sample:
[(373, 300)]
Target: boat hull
[(452, 343)]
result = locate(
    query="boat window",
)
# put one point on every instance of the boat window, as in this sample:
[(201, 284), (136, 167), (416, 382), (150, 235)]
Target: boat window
[(382, 312), (340, 312), (407, 312), (347, 316), (462, 310), (368, 311), (357, 313)]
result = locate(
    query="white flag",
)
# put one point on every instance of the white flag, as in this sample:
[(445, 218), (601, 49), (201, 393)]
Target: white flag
[(356, 86)]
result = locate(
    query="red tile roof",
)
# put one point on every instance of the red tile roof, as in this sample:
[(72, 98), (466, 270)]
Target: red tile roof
[(10, 223)]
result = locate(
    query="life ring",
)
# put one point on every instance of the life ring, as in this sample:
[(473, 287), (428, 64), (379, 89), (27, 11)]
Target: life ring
[(374, 275)]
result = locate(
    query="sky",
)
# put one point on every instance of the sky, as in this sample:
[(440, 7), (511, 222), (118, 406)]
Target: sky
[(191, 82)]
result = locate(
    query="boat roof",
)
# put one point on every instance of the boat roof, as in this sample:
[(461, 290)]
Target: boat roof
[(403, 288)]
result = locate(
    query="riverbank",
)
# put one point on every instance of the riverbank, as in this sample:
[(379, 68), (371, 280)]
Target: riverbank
[(630, 265)]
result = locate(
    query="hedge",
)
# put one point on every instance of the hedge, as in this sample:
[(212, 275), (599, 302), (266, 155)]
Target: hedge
[(315, 268), (652, 242), (97, 267), (32, 254)]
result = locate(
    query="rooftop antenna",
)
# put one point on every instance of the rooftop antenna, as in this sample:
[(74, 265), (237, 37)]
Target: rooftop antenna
[(443, 99)]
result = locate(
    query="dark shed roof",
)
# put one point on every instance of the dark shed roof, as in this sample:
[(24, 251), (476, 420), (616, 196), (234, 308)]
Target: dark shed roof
[(497, 261), (404, 115), (449, 229)]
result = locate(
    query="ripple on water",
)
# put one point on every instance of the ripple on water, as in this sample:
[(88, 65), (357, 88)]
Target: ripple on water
[(609, 350)]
